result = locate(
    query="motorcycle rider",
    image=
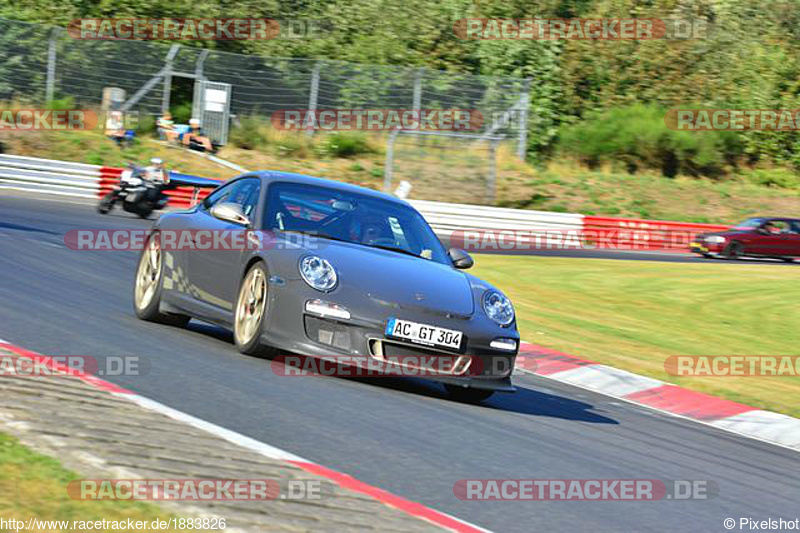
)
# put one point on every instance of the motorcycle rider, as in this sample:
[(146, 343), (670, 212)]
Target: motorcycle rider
[(158, 176), (157, 172)]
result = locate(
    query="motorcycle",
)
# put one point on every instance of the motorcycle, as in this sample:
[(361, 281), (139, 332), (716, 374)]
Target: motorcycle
[(137, 194)]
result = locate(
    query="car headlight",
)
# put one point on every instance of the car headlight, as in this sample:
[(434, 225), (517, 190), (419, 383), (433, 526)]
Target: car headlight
[(318, 273), (498, 307), (715, 239)]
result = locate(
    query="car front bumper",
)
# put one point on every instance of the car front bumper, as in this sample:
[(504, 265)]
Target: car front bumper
[(706, 248), (292, 329)]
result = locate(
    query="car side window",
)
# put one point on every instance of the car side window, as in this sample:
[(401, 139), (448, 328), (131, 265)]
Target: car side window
[(246, 195), (243, 192), (218, 196), (776, 227)]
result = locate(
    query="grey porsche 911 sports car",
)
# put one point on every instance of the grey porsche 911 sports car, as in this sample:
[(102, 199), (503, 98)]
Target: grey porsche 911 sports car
[(325, 269)]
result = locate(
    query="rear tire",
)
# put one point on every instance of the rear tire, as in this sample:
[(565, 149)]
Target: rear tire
[(251, 311), (467, 394), (148, 285)]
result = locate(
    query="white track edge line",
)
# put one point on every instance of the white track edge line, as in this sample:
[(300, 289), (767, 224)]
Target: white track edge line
[(262, 448), (231, 436)]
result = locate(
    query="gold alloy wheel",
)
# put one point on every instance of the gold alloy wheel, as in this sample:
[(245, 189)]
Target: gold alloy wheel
[(250, 307), (149, 273)]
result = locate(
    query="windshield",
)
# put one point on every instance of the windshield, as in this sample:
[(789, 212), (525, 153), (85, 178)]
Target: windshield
[(351, 217), (750, 223)]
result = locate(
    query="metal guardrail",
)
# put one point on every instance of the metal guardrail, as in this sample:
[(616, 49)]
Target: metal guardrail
[(446, 218), (47, 176), (81, 180)]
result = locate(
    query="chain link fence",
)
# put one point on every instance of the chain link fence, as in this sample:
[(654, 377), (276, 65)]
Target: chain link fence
[(462, 167), (43, 63)]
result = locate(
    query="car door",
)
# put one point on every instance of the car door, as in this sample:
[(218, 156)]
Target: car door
[(780, 238), (763, 241), (213, 271), (790, 239)]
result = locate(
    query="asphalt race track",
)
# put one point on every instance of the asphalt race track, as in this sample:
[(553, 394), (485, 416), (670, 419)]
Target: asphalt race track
[(401, 435)]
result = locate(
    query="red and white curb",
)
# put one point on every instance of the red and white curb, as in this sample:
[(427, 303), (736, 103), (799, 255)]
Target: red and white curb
[(417, 510), (731, 416)]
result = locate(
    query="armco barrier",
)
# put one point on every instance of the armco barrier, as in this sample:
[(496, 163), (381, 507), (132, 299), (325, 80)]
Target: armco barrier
[(46, 176), (446, 218), (63, 178), (648, 234), (91, 181)]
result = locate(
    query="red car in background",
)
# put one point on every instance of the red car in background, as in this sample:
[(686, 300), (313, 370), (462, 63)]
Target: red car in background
[(777, 238)]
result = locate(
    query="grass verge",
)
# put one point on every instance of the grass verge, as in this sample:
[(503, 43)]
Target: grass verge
[(634, 314), (33, 485)]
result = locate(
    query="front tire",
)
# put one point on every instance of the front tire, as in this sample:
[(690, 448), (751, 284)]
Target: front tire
[(468, 394), (250, 312), (148, 285), (106, 203), (734, 250)]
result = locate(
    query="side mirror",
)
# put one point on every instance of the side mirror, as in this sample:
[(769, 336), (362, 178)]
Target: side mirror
[(460, 258), (230, 212)]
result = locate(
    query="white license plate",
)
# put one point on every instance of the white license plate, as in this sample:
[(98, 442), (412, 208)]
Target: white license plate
[(424, 333)]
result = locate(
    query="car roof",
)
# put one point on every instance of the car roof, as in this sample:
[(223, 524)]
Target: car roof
[(290, 177), (777, 218)]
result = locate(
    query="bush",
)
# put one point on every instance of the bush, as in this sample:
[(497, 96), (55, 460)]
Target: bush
[(341, 144), (146, 125), (61, 104), (776, 177), (247, 134), (181, 113), (638, 137)]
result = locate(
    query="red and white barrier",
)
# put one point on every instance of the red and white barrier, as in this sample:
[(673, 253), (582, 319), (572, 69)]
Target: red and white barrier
[(650, 234)]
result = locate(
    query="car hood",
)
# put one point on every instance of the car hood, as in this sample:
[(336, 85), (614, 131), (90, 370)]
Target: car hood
[(395, 279)]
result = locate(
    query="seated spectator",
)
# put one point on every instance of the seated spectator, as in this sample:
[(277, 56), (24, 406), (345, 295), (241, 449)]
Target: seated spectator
[(166, 128), (115, 129), (196, 138)]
